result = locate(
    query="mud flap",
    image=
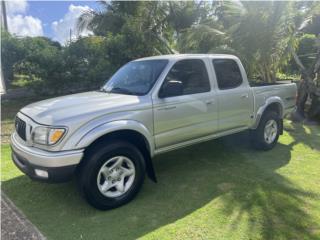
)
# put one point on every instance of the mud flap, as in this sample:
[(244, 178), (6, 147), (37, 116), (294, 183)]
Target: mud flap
[(281, 127), (150, 169)]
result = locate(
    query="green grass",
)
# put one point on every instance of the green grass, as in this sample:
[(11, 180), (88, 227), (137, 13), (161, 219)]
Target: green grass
[(221, 189)]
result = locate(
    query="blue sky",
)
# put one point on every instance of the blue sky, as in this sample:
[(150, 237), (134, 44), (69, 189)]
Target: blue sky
[(50, 11), (46, 18)]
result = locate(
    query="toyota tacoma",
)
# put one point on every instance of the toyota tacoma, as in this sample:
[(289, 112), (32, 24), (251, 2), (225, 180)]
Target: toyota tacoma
[(107, 138)]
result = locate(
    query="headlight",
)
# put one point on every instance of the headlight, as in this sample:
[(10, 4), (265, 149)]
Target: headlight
[(47, 135)]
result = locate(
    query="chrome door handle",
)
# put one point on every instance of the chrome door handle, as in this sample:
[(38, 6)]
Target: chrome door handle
[(167, 108), (209, 102), (244, 96)]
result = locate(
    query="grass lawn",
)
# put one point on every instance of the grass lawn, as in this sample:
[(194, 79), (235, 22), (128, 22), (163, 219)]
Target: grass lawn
[(222, 189)]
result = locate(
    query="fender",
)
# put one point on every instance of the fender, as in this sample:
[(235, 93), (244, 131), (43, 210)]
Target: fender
[(267, 103), (118, 125), (113, 126)]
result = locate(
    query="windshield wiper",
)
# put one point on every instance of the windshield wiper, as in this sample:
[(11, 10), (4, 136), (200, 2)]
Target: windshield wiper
[(122, 90), (103, 90), (119, 90)]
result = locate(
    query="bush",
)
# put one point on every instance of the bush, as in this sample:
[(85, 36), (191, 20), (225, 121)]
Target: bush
[(42, 64), (48, 68), (87, 63), (12, 51)]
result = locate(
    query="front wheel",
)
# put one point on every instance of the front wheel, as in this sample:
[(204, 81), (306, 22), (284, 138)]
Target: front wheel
[(265, 137), (112, 174)]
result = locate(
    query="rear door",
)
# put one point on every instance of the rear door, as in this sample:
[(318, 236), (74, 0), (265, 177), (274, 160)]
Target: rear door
[(234, 95), (191, 114)]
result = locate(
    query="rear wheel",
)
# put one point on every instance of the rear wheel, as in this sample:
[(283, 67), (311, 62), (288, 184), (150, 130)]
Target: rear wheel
[(112, 174), (265, 137)]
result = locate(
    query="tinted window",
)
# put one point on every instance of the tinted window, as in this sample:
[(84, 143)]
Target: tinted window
[(192, 74), (228, 73), (136, 77)]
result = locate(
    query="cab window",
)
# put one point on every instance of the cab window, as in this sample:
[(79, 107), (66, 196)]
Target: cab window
[(228, 73), (189, 75)]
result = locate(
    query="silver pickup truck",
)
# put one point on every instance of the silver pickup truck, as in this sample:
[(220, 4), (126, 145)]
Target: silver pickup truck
[(107, 138)]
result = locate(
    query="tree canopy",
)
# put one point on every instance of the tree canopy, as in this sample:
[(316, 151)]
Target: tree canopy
[(269, 37)]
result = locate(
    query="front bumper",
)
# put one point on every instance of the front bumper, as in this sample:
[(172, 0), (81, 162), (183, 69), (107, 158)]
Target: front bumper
[(59, 166)]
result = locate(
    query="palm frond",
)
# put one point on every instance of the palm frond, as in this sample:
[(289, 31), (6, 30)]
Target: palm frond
[(84, 20)]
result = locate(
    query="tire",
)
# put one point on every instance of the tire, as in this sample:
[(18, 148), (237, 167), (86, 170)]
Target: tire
[(259, 140), (102, 163)]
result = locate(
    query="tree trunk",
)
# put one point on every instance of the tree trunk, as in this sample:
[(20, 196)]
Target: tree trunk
[(314, 111), (302, 98), (308, 88)]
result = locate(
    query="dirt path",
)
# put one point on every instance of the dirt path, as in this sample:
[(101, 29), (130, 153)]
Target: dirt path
[(14, 225)]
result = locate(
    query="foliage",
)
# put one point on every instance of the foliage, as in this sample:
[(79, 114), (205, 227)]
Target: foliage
[(130, 44), (49, 68), (86, 64), (12, 52), (259, 32), (131, 21), (262, 34), (203, 38), (153, 27), (292, 77), (42, 63), (309, 86), (306, 50)]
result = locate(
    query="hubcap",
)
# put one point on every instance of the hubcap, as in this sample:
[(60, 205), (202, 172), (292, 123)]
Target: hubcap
[(116, 176), (270, 131)]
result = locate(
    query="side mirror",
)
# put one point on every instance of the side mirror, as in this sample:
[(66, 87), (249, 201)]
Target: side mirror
[(171, 89)]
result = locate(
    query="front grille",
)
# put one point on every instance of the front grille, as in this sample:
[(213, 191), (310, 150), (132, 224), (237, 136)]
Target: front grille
[(21, 128)]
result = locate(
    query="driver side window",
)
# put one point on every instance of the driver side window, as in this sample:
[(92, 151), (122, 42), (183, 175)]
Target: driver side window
[(190, 76)]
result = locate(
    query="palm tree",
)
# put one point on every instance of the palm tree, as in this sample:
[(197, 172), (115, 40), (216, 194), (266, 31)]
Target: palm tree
[(259, 32), (149, 18), (308, 22), (161, 21), (262, 35)]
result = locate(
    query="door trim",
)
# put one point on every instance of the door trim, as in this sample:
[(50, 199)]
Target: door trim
[(199, 140)]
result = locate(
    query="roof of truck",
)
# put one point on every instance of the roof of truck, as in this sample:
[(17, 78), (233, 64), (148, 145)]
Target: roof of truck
[(179, 56)]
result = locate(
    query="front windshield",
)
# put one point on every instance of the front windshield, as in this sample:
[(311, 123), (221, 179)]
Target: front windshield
[(135, 78)]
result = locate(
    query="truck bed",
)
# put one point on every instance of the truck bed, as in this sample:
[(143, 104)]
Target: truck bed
[(263, 84), (284, 91)]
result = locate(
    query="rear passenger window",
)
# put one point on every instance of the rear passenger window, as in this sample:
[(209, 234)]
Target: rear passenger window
[(192, 74), (228, 73)]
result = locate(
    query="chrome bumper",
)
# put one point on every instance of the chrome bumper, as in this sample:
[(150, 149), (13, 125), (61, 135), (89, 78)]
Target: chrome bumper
[(43, 158)]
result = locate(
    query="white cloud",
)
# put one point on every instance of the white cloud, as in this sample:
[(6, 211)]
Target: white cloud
[(25, 25), (16, 6), (61, 28), (18, 23)]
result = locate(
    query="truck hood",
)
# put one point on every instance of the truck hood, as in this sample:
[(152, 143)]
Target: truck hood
[(75, 107)]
